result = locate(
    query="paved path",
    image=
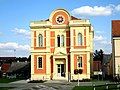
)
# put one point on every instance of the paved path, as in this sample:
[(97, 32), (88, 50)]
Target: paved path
[(49, 85)]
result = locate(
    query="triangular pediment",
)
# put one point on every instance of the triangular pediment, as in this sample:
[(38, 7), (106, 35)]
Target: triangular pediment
[(59, 53)]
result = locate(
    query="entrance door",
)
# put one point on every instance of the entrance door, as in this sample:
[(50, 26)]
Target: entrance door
[(61, 70)]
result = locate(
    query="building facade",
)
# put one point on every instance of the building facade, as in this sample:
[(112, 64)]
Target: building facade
[(59, 45), (116, 47)]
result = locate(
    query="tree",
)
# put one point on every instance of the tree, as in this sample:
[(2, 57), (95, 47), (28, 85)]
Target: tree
[(101, 55), (29, 58), (98, 55)]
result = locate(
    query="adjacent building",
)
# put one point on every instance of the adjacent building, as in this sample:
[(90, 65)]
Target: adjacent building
[(59, 45), (116, 47)]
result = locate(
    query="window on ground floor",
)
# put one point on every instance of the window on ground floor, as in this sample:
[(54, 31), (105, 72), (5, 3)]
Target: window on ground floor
[(40, 62), (79, 62)]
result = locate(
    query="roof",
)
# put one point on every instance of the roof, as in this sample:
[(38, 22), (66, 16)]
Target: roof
[(74, 18), (16, 66), (116, 28), (5, 67)]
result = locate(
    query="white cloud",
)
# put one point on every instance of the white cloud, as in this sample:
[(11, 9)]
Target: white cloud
[(1, 33), (117, 8), (98, 32), (98, 37), (7, 49), (21, 31), (96, 10), (105, 42)]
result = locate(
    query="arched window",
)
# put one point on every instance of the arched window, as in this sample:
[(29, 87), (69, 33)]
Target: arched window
[(58, 40), (62, 40), (79, 39), (40, 40)]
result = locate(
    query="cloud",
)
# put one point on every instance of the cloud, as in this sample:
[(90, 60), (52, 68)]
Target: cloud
[(8, 49), (102, 42), (99, 32), (104, 45), (117, 8), (96, 10), (21, 31), (1, 33), (98, 37), (106, 42)]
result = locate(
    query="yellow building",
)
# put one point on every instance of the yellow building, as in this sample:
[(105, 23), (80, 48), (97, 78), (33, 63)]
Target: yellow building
[(116, 47), (59, 45)]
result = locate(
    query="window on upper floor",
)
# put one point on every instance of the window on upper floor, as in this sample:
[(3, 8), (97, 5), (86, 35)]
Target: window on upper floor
[(58, 40), (79, 39), (40, 40), (62, 40)]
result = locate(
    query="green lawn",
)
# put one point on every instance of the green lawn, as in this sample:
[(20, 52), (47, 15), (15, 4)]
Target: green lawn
[(82, 88), (111, 87), (6, 88), (7, 80)]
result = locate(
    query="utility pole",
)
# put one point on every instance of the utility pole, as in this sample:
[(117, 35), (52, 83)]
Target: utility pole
[(78, 79)]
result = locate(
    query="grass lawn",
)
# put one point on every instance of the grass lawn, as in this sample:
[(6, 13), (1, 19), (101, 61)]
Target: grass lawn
[(112, 87), (82, 88), (6, 88), (7, 80)]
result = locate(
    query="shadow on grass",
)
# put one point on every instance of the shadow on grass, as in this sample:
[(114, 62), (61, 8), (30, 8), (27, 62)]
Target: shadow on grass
[(36, 81), (7, 80), (6, 88)]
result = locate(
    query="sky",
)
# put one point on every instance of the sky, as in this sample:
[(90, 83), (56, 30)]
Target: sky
[(15, 17)]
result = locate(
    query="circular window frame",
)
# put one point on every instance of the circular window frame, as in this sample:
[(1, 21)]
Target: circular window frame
[(58, 21)]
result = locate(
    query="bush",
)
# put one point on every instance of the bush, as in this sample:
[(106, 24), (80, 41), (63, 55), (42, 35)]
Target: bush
[(83, 80)]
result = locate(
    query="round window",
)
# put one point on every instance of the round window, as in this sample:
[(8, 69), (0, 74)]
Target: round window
[(60, 19)]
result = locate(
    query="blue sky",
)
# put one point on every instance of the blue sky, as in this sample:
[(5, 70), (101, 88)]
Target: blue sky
[(15, 17)]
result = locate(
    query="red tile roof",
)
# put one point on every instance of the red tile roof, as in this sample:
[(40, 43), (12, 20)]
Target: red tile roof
[(116, 28), (74, 18), (5, 67)]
